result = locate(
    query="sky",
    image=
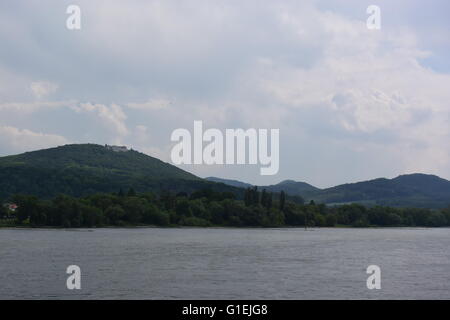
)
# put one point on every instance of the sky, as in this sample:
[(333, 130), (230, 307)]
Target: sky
[(350, 103)]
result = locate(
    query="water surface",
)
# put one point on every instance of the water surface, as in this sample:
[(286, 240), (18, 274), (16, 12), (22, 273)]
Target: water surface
[(196, 263)]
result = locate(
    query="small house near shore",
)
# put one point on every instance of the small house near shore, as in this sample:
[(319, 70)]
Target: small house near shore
[(11, 206)]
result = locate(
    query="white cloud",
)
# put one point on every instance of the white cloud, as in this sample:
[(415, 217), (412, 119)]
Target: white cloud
[(351, 103), (162, 154), (152, 104), (30, 107), (113, 117), (368, 91), (20, 140), (42, 89)]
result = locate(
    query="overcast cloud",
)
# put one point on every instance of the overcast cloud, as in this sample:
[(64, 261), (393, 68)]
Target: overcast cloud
[(351, 103)]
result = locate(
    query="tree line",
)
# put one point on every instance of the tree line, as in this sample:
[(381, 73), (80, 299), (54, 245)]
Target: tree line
[(208, 208)]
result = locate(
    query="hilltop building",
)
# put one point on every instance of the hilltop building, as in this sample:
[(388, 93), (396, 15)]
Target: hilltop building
[(116, 148)]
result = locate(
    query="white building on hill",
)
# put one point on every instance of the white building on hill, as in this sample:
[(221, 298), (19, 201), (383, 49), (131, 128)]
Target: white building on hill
[(116, 148)]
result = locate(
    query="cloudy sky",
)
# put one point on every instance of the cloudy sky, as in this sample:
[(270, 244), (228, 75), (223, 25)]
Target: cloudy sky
[(351, 103)]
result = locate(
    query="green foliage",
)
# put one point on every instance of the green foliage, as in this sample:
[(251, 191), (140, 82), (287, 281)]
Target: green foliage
[(413, 190), (320, 220), (294, 215), (83, 169), (194, 222), (282, 200), (3, 211), (114, 214), (251, 196), (204, 208), (330, 220)]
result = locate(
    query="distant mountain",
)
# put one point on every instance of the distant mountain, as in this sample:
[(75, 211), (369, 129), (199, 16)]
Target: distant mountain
[(413, 190), (291, 187), (230, 182), (82, 169)]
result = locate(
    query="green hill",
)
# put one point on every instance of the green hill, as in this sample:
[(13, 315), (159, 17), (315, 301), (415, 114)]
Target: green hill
[(292, 187), (82, 169), (230, 182), (413, 190)]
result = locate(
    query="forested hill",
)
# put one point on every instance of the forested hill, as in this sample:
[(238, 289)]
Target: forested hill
[(230, 182), (82, 169), (411, 190), (290, 187)]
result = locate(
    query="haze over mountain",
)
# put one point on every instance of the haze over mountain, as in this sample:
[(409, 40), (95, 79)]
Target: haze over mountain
[(414, 190)]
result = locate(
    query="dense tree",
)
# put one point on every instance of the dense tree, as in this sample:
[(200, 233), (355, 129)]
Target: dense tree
[(330, 220), (206, 207), (217, 212), (254, 196), (114, 214), (153, 215), (294, 215), (131, 192), (91, 216), (134, 208), (319, 220), (183, 208), (446, 213), (28, 206), (274, 218), (168, 200), (3, 210), (247, 197), (282, 200), (269, 200), (264, 198)]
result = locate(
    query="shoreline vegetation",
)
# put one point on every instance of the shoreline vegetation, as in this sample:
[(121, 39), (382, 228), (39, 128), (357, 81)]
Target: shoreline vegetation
[(206, 208)]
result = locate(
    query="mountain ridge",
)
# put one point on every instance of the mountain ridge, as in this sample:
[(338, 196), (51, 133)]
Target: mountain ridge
[(416, 189), (82, 169), (289, 186)]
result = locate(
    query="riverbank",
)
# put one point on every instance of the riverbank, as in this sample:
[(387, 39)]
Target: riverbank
[(28, 227)]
